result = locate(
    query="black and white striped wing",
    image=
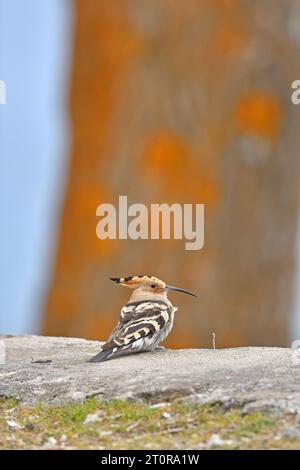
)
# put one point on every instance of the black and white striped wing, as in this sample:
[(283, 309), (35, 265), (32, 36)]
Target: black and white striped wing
[(138, 320)]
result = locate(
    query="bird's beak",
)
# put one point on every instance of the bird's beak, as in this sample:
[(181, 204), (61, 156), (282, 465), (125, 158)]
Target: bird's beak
[(180, 290)]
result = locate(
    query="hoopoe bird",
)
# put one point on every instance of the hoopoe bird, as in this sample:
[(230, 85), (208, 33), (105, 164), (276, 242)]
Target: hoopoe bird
[(145, 320)]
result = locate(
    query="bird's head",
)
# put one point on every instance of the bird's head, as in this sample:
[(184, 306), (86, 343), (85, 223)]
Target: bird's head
[(148, 285)]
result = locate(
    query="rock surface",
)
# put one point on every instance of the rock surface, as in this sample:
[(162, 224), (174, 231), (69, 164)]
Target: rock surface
[(54, 370)]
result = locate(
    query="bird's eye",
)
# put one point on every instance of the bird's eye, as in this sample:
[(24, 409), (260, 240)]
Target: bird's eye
[(153, 286)]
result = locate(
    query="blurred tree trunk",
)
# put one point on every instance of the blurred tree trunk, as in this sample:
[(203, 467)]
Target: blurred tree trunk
[(189, 103)]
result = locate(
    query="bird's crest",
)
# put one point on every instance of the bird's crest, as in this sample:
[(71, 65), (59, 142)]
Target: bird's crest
[(132, 280)]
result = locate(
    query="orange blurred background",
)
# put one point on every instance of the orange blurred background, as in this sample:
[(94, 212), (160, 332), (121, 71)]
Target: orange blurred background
[(187, 103)]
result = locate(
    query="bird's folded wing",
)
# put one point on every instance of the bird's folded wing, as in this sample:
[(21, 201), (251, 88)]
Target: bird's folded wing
[(138, 320)]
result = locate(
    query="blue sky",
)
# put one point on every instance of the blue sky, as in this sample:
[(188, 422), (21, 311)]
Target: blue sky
[(35, 41)]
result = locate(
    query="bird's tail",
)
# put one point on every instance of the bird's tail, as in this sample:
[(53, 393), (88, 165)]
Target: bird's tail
[(102, 356)]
